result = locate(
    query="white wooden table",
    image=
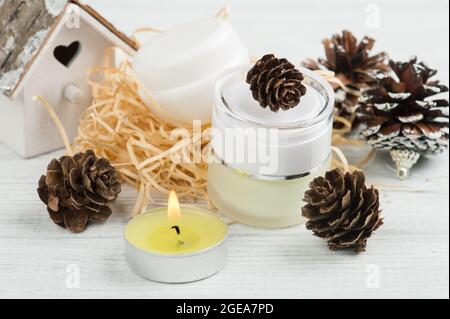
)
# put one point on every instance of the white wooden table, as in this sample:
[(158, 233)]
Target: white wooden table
[(407, 257)]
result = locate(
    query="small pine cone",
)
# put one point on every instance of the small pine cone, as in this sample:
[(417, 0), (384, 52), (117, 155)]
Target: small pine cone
[(404, 112), (353, 65), (79, 189), (342, 210), (276, 83)]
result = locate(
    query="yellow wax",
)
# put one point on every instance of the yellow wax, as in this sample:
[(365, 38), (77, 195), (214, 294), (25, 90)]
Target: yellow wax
[(152, 231)]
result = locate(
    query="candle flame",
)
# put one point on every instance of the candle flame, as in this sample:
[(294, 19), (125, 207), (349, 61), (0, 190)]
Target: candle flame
[(173, 210)]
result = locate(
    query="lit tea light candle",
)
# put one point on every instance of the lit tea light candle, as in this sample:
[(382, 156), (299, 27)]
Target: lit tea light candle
[(176, 244)]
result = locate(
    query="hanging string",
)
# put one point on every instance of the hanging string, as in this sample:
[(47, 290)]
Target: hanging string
[(366, 159), (399, 188), (146, 29), (341, 157), (62, 131), (223, 13)]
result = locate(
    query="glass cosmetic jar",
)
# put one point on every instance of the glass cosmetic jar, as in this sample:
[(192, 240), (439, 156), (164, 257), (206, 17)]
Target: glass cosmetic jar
[(263, 161)]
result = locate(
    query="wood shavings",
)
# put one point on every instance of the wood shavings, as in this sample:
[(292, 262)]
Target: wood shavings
[(120, 127)]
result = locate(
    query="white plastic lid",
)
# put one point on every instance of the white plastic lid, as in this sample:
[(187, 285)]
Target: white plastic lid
[(187, 53), (288, 144)]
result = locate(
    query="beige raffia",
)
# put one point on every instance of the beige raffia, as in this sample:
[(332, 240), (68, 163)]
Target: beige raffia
[(121, 127)]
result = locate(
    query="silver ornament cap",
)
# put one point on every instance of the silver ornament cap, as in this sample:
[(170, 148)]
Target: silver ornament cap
[(404, 160)]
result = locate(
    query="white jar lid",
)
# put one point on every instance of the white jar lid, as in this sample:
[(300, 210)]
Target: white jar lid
[(187, 53), (288, 144)]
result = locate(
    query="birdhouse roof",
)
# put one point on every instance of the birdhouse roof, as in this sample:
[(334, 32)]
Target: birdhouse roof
[(25, 27)]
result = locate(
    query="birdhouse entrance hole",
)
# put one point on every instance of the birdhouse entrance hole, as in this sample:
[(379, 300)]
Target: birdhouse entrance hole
[(67, 54)]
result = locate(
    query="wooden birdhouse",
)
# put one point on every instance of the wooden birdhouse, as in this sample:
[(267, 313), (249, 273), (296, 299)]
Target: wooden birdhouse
[(46, 49)]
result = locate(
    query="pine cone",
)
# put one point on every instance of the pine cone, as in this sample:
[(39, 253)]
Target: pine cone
[(403, 113), (78, 190), (276, 83), (353, 66), (341, 210)]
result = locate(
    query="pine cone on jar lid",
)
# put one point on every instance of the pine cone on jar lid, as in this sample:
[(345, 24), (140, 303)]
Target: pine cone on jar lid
[(276, 83), (79, 189), (342, 210)]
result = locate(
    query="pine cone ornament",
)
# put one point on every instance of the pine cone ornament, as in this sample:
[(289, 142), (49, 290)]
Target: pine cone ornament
[(78, 190), (276, 83), (342, 210), (353, 65), (404, 115)]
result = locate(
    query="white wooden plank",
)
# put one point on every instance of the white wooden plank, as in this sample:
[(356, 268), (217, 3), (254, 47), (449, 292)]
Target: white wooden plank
[(410, 252)]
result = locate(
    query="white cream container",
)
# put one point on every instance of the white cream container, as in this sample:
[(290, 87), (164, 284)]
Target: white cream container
[(178, 68), (265, 160)]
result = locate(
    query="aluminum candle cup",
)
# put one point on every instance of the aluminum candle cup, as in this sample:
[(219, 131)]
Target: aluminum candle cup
[(264, 161), (156, 251)]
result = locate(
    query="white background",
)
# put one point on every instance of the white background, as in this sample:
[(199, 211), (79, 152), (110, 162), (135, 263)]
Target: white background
[(407, 257)]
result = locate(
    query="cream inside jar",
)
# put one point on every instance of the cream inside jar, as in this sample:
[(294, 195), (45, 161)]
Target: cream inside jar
[(264, 161)]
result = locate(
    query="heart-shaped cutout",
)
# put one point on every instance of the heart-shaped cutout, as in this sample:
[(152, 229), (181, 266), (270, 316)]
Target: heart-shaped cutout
[(67, 54)]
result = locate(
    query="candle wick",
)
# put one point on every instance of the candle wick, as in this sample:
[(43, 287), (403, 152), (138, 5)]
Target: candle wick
[(177, 229), (180, 238)]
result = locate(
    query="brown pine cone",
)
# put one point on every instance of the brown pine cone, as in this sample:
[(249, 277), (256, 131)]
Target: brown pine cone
[(78, 190), (404, 112), (342, 210), (276, 83), (353, 66)]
